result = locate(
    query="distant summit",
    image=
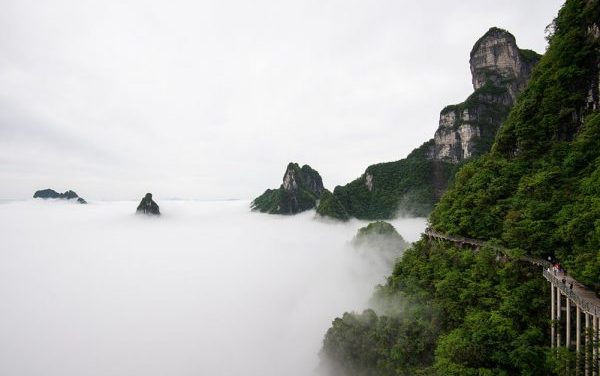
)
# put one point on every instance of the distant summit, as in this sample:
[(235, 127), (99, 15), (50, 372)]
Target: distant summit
[(148, 206), (51, 193), (300, 190)]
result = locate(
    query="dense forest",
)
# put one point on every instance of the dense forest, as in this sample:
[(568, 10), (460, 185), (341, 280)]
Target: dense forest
[(450, 311)]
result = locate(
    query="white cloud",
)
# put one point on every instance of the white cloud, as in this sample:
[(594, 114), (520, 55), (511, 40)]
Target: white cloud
[(209, 288)]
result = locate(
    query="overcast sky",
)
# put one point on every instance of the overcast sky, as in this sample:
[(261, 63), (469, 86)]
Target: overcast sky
[(211, 99)]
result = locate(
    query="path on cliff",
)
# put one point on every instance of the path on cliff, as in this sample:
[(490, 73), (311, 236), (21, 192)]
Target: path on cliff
[(579, 293)]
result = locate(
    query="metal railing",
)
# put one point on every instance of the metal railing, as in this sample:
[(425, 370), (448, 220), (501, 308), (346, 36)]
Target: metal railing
[(584, 304)]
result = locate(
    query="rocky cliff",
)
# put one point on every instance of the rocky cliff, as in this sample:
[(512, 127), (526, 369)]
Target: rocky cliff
[(300, 190), (500, 71)]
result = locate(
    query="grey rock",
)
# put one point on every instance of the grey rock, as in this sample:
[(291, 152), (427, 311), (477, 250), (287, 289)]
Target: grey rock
[(51, 193), (148, 206)]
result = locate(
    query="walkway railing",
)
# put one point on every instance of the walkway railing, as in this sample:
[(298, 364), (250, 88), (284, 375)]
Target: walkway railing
[(585, 298), (586, 304)]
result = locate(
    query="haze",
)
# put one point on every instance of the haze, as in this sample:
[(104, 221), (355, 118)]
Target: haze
[(209, 288), (212, 99)]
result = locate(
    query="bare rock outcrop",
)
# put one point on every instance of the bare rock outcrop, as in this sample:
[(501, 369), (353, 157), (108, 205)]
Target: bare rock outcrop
[(500, 70)]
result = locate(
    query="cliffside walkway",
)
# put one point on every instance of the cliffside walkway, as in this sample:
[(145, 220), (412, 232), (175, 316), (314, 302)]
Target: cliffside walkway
[(579, 300)]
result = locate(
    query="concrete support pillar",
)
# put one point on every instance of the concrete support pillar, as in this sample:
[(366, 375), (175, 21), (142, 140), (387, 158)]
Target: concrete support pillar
[(558, 314), (587, 344), (568, 328), (595, 345), (578, 332), (552, 315), (578, 340)]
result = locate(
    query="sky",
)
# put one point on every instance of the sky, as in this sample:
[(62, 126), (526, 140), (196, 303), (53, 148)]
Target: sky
[(212, 99)]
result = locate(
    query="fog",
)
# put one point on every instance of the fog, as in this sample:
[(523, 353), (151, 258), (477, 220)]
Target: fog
[(209, 288)]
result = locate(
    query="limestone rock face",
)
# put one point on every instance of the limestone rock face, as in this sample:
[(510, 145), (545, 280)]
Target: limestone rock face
[(51, 193), (305, 178), (500, 71), (300, 190), (496, 58), (148, 206)]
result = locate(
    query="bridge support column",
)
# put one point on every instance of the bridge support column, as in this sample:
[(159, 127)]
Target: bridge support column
[(598, 345), (558, 314), (568, 329), (578, 338), (587, 344), (552, 315), (595, 345)]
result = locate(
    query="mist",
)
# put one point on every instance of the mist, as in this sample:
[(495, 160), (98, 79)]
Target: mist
[(208, 288)]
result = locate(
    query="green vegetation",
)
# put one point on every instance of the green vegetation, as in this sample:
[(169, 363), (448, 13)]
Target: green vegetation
[(301, 189), (380, 235), (530, 55), (331, 206), (537, 192), (459, 313), (377, 228), (410, 185)]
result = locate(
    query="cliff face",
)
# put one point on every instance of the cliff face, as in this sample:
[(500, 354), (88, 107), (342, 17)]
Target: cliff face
[(496, 57), (500, 71), (300, 190)]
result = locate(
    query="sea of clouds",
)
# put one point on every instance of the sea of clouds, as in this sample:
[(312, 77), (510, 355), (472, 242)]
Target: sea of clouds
[(208, 288)]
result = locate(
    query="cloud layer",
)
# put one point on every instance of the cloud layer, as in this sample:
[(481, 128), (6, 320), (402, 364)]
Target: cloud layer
[(206, 289)]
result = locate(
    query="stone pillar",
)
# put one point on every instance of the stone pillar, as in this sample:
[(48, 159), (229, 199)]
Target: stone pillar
[(552, 315)]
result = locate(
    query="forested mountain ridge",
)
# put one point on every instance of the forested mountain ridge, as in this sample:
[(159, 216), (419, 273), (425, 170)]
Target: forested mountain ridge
[(300, 190), (451, 311), (412, 185)]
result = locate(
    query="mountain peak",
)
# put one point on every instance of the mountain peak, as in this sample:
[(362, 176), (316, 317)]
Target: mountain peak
[(496, 58)]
